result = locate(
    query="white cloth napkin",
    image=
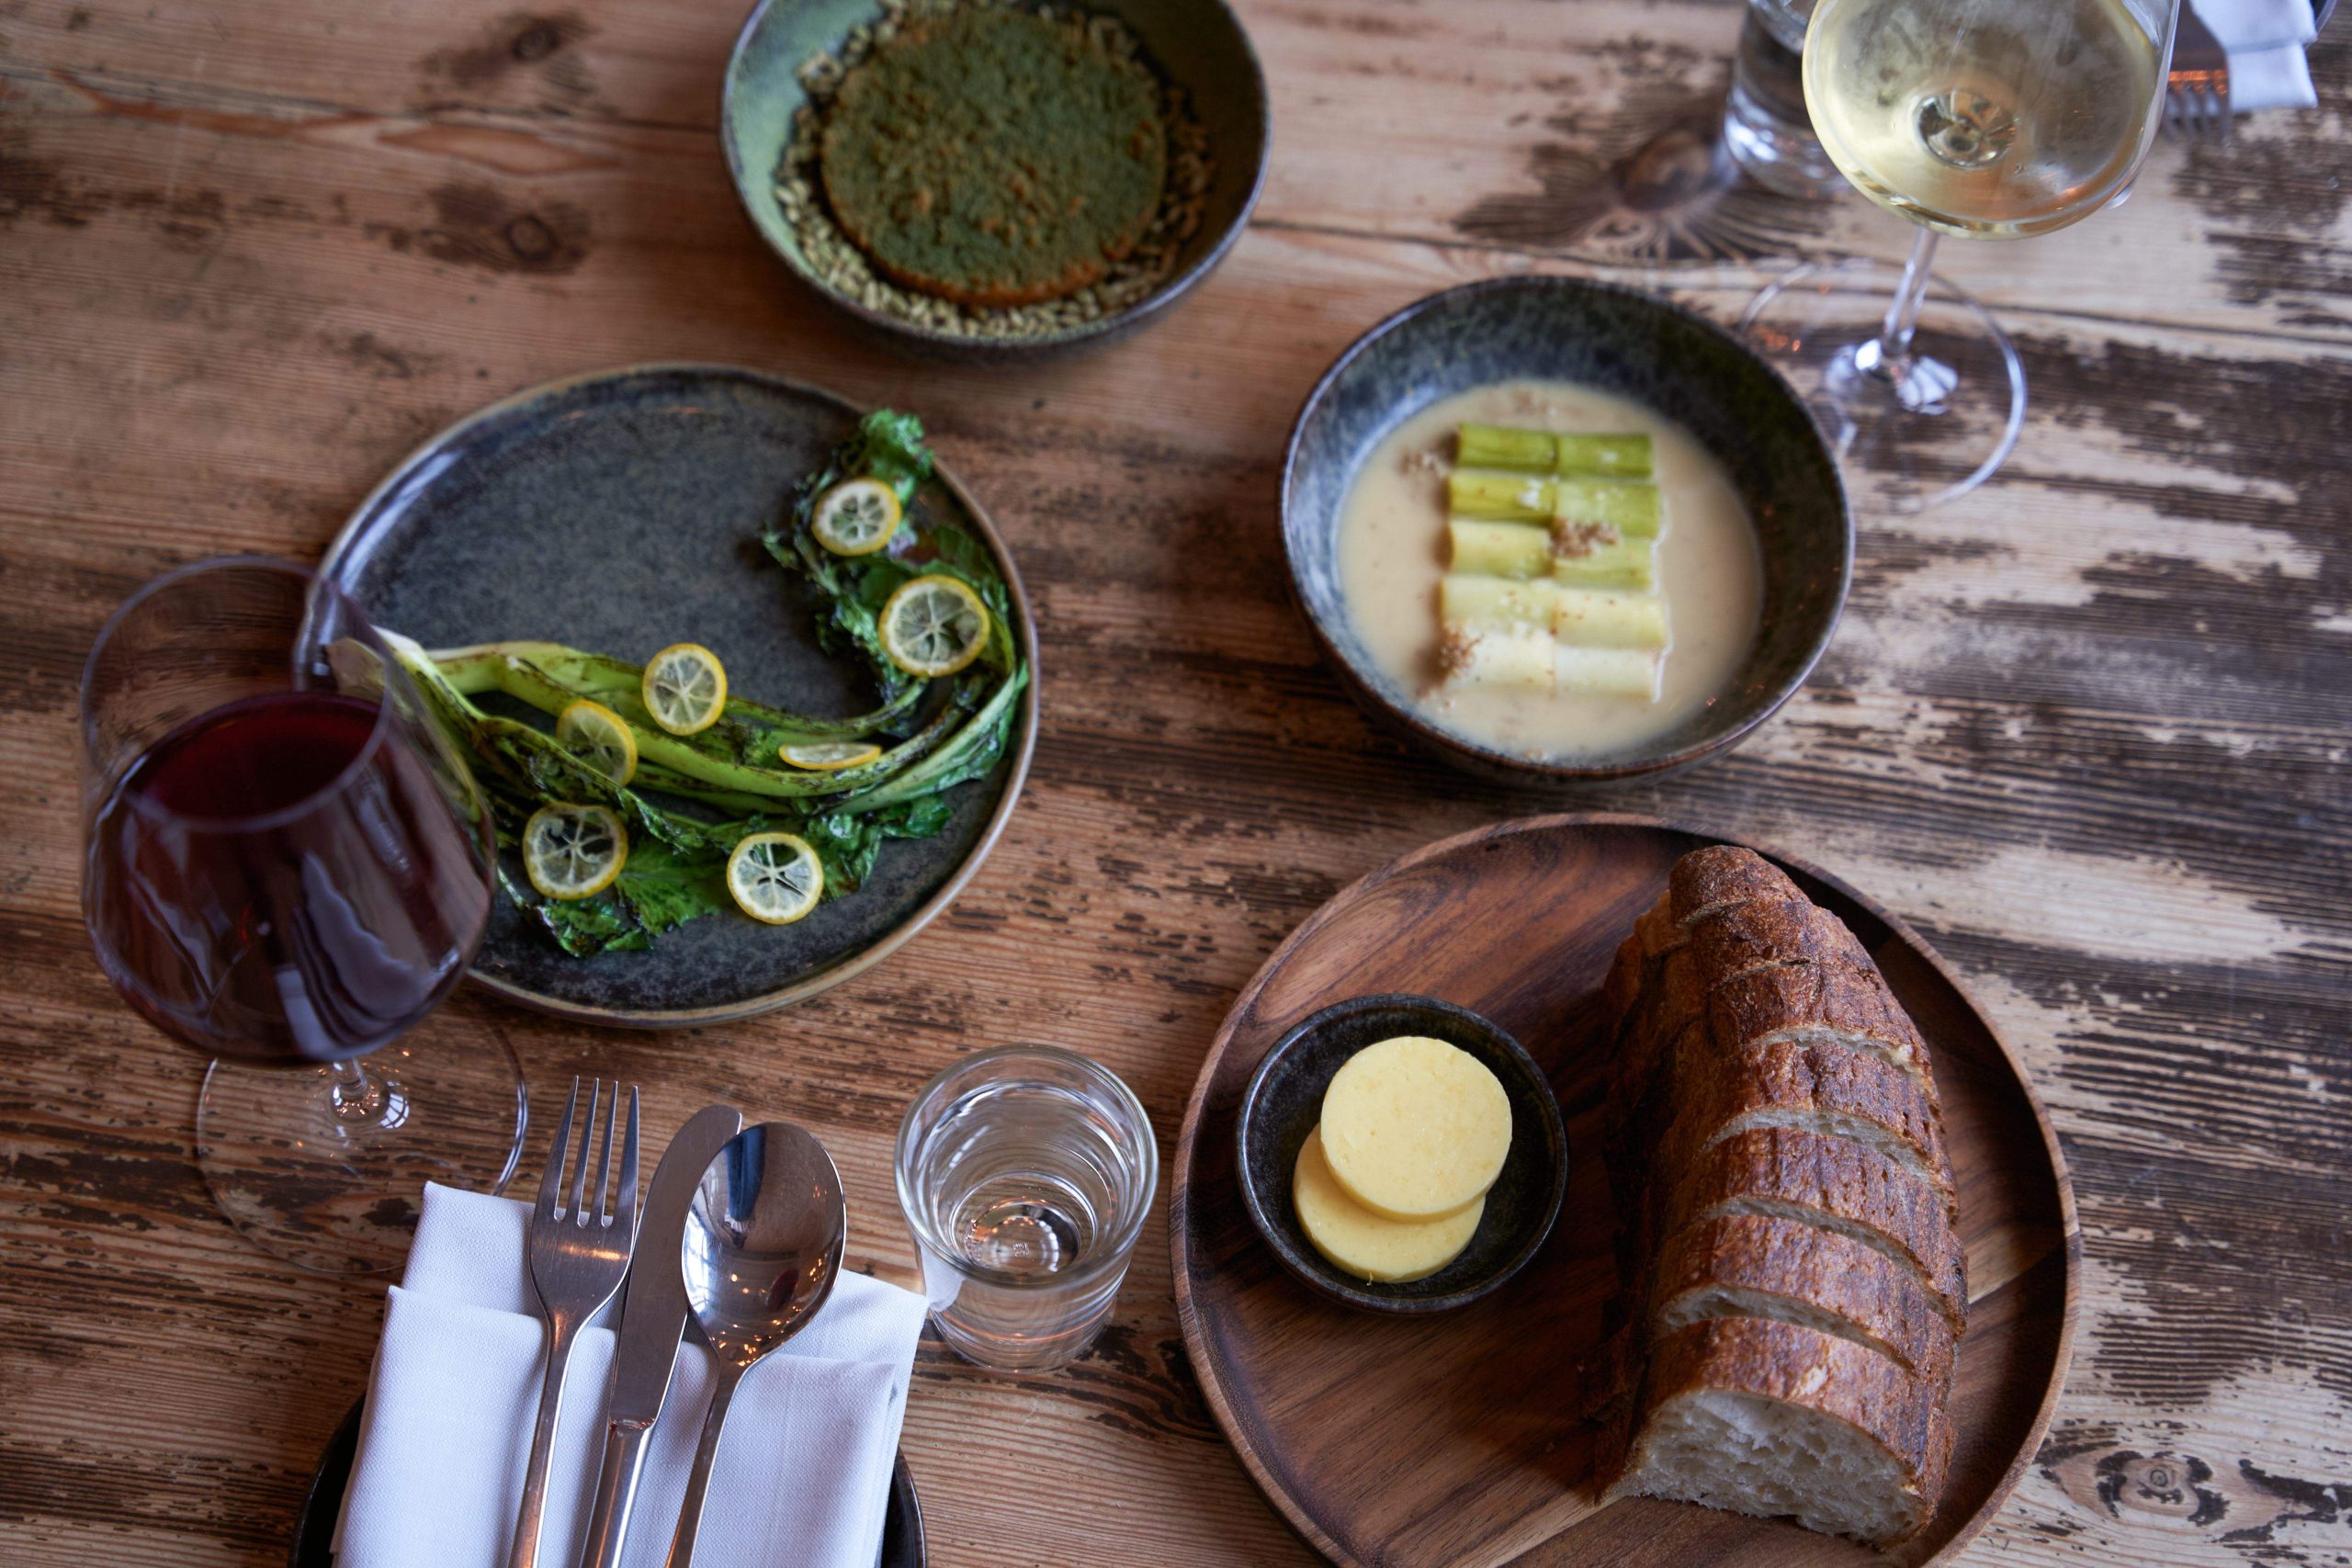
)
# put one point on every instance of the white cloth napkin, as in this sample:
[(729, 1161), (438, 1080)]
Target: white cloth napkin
[(802, 1480), (2265, 39)]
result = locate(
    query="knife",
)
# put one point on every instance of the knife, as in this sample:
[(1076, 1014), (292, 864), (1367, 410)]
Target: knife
[(653, 1318)]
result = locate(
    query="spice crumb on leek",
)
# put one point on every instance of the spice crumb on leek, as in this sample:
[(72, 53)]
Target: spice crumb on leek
[(694, 797)]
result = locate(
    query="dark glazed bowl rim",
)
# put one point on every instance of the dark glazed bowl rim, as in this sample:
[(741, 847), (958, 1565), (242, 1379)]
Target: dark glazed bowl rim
[(1486, 759), (1171, 288), (1296, 1254)]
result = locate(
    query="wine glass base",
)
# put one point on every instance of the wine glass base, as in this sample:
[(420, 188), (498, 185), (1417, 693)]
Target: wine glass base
[(329, 1175), (1913, 432)]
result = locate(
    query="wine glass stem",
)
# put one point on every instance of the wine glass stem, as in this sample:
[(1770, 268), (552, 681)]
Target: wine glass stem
[(1903, 311), (359, 1101)]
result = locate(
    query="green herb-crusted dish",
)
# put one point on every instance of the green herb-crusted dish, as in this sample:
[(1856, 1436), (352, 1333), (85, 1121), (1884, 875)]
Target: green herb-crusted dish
[(994, 156), (786, 74)]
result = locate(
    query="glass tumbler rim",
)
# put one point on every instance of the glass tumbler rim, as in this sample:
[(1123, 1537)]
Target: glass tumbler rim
[(316, 586), (1121, 1239)]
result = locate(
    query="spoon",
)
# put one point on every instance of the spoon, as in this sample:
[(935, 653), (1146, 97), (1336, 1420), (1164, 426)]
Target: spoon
[(762, 1246)]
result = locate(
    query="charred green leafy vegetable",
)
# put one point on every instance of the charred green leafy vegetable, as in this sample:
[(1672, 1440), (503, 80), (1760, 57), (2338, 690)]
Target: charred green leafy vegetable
[(695, 796)]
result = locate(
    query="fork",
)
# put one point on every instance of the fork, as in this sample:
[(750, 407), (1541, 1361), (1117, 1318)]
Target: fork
[(580, 1250), (2197, 91)]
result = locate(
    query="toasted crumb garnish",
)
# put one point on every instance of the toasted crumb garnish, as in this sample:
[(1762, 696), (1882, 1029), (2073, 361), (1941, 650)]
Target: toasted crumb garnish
[(1570, 540), (1456, 651)]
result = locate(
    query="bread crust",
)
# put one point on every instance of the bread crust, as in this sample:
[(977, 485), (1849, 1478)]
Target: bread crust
[(1706, 880), (1739, 938), (1782, 1169), (1829, 1002), (1799, 1078), (1879, 1302), (1899, 1411)]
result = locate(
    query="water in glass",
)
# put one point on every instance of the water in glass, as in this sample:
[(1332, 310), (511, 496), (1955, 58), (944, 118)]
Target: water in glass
[(1024, 1174)]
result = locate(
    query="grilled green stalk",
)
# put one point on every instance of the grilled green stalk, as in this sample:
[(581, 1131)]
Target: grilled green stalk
[(1551, 452), (1628, 506)]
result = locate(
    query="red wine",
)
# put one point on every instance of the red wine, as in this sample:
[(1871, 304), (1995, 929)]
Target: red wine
[(274, 880)]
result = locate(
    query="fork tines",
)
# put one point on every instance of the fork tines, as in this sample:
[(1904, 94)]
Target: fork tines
[(598, 1206), (2196, 89)]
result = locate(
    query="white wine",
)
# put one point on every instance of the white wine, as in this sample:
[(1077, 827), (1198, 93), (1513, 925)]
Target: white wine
[(1992, 118)]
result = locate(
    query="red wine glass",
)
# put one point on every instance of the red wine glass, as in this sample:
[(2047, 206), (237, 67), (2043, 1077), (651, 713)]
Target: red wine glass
[(287, 867)]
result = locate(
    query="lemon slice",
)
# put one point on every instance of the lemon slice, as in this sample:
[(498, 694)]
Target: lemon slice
[(598, 737), (856, 517), (685, 688), (571, 851), (933, 625), (831, 755), (774, 877)]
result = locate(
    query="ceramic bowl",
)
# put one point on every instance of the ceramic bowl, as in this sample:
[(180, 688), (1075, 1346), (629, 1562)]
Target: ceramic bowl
[(1631, 344), (1196, 44), (1284, 1101)]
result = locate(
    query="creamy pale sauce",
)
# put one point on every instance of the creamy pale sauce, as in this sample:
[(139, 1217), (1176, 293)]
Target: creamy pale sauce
[(1393, 551)]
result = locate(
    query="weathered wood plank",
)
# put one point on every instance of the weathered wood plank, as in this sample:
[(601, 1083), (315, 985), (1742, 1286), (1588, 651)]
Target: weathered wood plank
[(1494, 125), (2087, 729)]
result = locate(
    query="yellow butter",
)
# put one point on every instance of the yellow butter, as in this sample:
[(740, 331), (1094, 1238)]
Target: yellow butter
[(1364, 1243), (1413, 1128)]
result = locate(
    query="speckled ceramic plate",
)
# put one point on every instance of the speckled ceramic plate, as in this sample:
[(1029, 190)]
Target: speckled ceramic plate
[(621, 511)]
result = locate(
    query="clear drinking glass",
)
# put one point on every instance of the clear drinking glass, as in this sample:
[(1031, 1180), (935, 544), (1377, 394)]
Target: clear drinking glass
[(1766, 128), (1985, 119), (288, 871), (1025, 1174)]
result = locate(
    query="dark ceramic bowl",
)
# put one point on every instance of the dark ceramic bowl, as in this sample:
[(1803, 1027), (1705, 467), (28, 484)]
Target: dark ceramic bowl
[(1631, 344), (1284, 1101), (1196, 44)]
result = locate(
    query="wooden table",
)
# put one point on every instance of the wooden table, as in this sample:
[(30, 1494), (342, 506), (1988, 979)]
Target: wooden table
[(2087, 729)]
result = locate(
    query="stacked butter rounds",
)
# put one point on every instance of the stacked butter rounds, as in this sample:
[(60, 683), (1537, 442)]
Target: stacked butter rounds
[(1392, 1182), (1794, 1287)]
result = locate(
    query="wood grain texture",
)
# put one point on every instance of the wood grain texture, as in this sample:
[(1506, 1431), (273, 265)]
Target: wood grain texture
[(1457, 1441), (2084, 730)]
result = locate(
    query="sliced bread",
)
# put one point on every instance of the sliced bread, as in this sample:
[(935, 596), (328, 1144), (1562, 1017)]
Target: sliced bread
[(1830, 1004), (1808, 1087), (1837, 1186), (1787, 1248), (1767, 1266), (1774, 1418)]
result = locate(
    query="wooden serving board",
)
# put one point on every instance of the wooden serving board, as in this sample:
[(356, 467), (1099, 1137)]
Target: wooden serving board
[(1412, 1443)]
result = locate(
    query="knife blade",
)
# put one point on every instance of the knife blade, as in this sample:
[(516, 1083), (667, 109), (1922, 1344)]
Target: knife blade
[(653, 1319)]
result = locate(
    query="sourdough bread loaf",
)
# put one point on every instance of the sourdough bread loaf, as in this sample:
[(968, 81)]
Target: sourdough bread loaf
[(1794, 1285)]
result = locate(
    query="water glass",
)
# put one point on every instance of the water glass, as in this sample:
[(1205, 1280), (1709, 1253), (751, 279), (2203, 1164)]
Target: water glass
[(1025, 1173), (1766, 125)]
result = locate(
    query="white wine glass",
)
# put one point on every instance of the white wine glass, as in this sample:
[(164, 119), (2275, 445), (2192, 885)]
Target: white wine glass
[(1985, 119)]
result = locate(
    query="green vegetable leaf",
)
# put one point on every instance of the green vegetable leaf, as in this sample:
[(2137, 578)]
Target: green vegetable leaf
[(677, 868), (583, 927), (850, 844), (665, 887)]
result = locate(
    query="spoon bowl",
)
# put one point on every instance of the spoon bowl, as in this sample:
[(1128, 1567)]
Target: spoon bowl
[(763, 1239), (761, 1248)]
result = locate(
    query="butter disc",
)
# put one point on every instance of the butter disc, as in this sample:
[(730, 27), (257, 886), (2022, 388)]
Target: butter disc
[(1364, 1243), (1413, 1128)]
